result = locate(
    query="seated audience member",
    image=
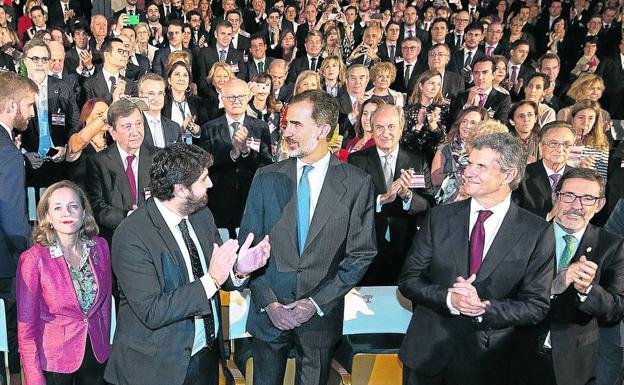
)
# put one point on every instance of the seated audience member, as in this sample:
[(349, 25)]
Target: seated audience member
[(363, 138), (282, 90), (219, 74), (382, 75), (351, 98), (591, 148), (143, 45), (240, 145), (312, 60), (610, 69), (90, 138), (398, 200), (265, 107), (540, 180), (412, 66), (182, 105), (590, 87), (588, 62), (286, 48), (534, 91), (160, 131), (333, 75), (452, 188), (174, 39), (523, 125), (64, 285), (588, 289), (425, 115), (482, 94), (119, 175), (105, 80), (500, 81)]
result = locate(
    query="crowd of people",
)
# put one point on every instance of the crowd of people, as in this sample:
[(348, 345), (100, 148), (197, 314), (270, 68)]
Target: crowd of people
[(467, 151)]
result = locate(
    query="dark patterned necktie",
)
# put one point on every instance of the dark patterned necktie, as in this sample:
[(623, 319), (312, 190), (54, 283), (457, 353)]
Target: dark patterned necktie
[(198, 272)]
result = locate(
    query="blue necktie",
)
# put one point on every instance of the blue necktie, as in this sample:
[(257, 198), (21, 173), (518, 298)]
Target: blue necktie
[(303, 207), (45, 141)]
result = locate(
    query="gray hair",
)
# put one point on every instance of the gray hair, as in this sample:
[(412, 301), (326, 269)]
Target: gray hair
[(324, 108), (391, 107), (512, 154), (553, 125)]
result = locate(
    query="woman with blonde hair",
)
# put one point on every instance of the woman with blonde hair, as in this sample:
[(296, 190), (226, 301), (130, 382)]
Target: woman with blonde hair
[(178, 56), (592, 147), (64, 285), (333, 75), (143, 46), (218, 75), (382, 75), (588, 86), (424, 114)]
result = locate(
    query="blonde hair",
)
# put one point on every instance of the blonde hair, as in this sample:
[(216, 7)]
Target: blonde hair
[(218, 65), (43, 232), (305, 75), (596, 137), (342, 68), (487, 127), (177, 56), (580, 85), (383, 66)]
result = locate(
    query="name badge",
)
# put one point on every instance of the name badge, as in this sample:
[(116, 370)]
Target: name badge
[(253, 144), (58, 119), (622, 163), (234, 67), (418, 181)]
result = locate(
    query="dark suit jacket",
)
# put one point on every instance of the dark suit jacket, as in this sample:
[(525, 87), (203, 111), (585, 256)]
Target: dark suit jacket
[(453, 85), (171, 131), (95, 87), (134, 72), (457, 60), (75, 81), (108, 188), (399, 81), (55, 13), (299, 65), (232, 178), (286, 92), (302, 32), (497, 104), (534, 193), (516, 281), (206, 57), (251, 66), (6, 62), (610, 68), (160, 60), (337, 252), (573, 324), (386, 268), (197, 107), (14, 228), (157, 302)]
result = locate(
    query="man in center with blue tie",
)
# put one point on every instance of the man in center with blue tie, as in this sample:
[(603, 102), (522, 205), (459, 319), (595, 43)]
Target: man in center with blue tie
[(319, 214)]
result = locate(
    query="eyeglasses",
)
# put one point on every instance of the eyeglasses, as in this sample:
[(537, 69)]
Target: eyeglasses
[(234, 98), (413, 48), (438, 54), (568, 197), (123, 51), (37, 59), (554, 144)]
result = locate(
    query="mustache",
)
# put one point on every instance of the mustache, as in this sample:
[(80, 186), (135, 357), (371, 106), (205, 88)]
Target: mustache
[(580, 213)]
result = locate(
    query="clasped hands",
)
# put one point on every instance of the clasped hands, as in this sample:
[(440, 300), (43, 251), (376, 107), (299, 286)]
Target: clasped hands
[(292, 315), (581, 274), (465, 299), (248, 259)]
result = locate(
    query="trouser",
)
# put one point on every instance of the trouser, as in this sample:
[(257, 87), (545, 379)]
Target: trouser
[(90, 372)]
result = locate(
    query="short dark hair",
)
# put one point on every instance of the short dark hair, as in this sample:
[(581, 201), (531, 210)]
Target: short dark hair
[(484, 59), (556, 124), (178, 163), (548, 56), (223, 24), (542, 76), (518, 43), (120, 109), (233, 11), (37, 8), (108, 44), (440, 20), (273, 10), (257, 36), (175, 23), (192, 13), (80, 27), (588, 174), (475, 26), (324, 108), (392, 23)]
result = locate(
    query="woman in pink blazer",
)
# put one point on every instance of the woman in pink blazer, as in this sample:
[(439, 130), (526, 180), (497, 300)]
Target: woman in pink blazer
[(64, 293)]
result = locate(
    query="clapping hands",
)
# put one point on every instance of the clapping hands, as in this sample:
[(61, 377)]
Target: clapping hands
[(465, 299)]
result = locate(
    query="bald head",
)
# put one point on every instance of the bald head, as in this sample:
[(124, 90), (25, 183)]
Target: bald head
[(235, 94), (57, 57)]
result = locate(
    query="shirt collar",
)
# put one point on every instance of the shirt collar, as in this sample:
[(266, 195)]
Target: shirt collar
[(171, 219), (382, 154), (124, 154), (151, 118), (550, 172), (319, 164), (499, 209), (107, 75), (230, 120), (560, 232)]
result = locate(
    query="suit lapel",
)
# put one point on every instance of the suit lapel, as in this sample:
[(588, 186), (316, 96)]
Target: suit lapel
[(331, 194), (402, 163), (205, 238), (167, 237), (542, 181), (492, 99), (224, 131), (101, 83), (290, 210), (375, 170), (588, 242), (147, 136), (118, 176), (461, 248), (506, 238)]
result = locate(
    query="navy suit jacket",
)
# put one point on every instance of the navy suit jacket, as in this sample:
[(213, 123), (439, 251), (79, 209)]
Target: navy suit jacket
[(14, 229), (171, 131)]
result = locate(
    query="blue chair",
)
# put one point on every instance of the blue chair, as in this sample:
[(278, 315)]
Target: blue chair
[(4, 340)]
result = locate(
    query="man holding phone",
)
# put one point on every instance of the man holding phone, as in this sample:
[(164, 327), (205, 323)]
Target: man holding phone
[(401, 179), (366, 53), (132, 15)]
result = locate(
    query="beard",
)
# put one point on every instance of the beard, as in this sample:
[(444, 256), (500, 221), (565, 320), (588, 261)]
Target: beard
[(20, 122), (194, 203), (303, 149)]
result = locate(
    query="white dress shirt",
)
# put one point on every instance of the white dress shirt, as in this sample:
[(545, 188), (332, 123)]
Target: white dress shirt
[(156, 129), (393, 162), (179, 112), (107, 76)]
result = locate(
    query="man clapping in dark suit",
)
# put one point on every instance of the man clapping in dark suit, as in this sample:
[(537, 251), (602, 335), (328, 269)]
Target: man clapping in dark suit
[(319, 213), (588, 288), (398, 199), (170, 264), (159, 130), (119, 175), (470, 282), (240, 145)]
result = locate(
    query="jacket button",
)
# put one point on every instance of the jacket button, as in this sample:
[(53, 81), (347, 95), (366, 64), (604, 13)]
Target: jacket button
[(85, 320)]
